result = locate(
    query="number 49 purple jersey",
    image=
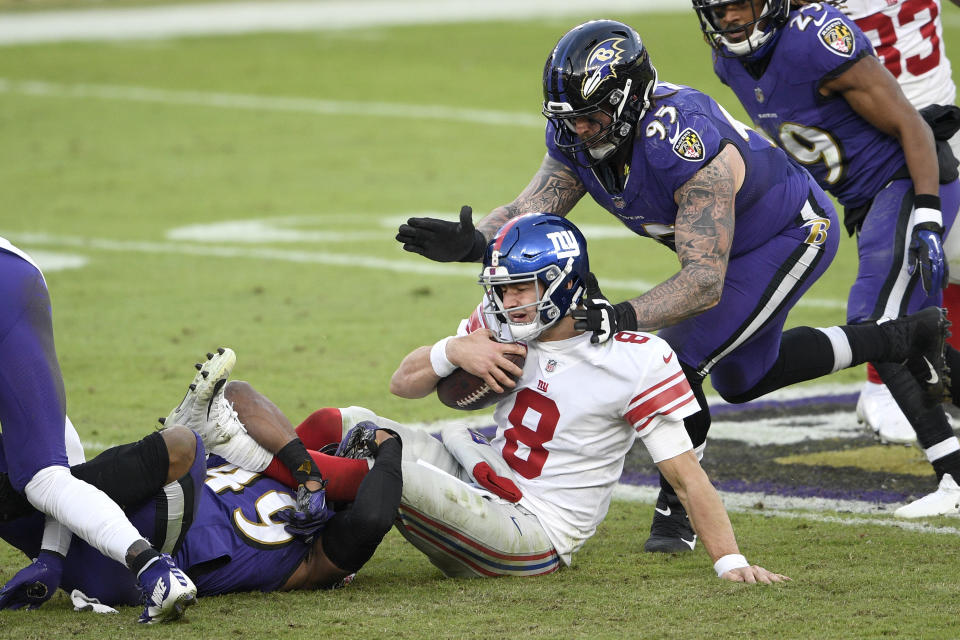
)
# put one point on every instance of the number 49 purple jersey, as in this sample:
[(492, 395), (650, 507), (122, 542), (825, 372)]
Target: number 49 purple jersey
[(847, 155), (234, 544)]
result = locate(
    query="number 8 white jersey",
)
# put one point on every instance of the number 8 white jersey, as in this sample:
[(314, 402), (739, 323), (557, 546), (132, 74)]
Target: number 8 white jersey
[(577, 410), (908, 37)]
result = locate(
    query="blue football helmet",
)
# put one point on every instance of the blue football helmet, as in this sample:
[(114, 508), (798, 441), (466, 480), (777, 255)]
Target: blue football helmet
[(600, 65), (766, 18), (541, 248)]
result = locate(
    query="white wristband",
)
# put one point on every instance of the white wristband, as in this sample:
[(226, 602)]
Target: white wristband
[(438, 358), (925, 214), (729, 561)]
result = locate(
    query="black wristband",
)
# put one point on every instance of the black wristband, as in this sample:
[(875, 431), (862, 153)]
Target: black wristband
[(926, 201), (294, 457), (626, 316), (477, 250)]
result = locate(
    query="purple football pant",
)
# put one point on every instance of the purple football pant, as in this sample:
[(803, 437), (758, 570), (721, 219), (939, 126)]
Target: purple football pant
[(32, 398), (884, 287), (738, 341)]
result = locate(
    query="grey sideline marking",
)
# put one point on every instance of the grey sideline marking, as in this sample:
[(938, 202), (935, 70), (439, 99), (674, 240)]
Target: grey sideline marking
[(251, 17), (777, 506)]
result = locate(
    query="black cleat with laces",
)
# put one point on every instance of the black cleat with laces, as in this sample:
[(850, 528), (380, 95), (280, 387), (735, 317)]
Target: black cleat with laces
[(671, 531)]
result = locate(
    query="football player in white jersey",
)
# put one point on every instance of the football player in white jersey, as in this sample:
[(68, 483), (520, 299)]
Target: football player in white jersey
[(908, 38), (562, 436)]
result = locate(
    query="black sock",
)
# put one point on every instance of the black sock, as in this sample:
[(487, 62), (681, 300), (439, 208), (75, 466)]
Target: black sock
[(930, 423), (805, 353), (868, 342), (13, 504), (697, 424), (953, 362), (140, 560), (949, 463), (351, 536)]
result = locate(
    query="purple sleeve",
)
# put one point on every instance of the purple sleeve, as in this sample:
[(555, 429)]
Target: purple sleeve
[(694, 142), (826, 40)]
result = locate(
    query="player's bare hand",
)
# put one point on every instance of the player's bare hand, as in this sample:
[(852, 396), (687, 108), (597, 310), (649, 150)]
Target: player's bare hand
[(753, 574), (480, 354)]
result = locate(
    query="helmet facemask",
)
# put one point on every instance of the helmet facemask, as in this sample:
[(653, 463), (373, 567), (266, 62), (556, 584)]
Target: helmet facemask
[(741, 40), (546, 282), (541, 249)]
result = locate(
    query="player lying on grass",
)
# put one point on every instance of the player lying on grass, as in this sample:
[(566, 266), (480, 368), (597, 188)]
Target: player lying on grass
[(241, 530)]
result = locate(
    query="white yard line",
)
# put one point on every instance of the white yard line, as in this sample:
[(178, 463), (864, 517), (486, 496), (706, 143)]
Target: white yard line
[(414, 266), (249, 17), (277, 104)]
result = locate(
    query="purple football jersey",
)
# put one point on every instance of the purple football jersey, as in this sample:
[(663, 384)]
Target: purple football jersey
[(680, 134), (847, 155), (234, 544)]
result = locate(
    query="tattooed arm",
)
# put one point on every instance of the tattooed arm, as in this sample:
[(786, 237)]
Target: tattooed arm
[(555, 188), (703, 235)]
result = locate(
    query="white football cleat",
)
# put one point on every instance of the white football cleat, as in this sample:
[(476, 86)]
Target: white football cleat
[(944, 501), (202, 408), (166, 591), (880, 412)]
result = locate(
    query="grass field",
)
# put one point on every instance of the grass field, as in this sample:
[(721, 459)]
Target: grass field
[(244, 191)]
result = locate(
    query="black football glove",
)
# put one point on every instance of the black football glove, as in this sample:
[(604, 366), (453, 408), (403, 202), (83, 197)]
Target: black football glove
[(601, 317), (442, 240)]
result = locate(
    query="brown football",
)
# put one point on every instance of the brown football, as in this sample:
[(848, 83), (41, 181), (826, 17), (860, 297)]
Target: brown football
[(467, 392)]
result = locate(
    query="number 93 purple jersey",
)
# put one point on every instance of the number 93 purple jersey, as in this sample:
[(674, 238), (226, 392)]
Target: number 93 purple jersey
[(680, 134)]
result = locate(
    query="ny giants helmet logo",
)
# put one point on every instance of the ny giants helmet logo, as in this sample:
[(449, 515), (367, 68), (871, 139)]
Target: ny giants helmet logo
[(601, 60), (565, 244)]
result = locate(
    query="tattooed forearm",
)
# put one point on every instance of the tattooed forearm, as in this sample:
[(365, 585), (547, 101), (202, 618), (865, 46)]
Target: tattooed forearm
[(554, 189), (703, 235)]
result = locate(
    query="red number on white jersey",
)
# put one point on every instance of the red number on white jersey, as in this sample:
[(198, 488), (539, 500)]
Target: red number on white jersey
[(632, 338), (534, 438), (887, 32)]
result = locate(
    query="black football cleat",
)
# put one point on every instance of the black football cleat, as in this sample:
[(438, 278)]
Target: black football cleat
[(920, 340), (671, 531)]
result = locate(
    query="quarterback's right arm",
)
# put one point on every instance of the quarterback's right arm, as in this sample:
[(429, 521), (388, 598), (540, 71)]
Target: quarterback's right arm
[(478, 353), (709, 519)]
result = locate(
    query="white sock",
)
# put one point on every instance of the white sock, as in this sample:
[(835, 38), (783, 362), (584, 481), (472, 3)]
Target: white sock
[(243, 451), (84, 509)]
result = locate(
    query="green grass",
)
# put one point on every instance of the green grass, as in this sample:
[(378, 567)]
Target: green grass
[(107, 178), (848, 582)]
